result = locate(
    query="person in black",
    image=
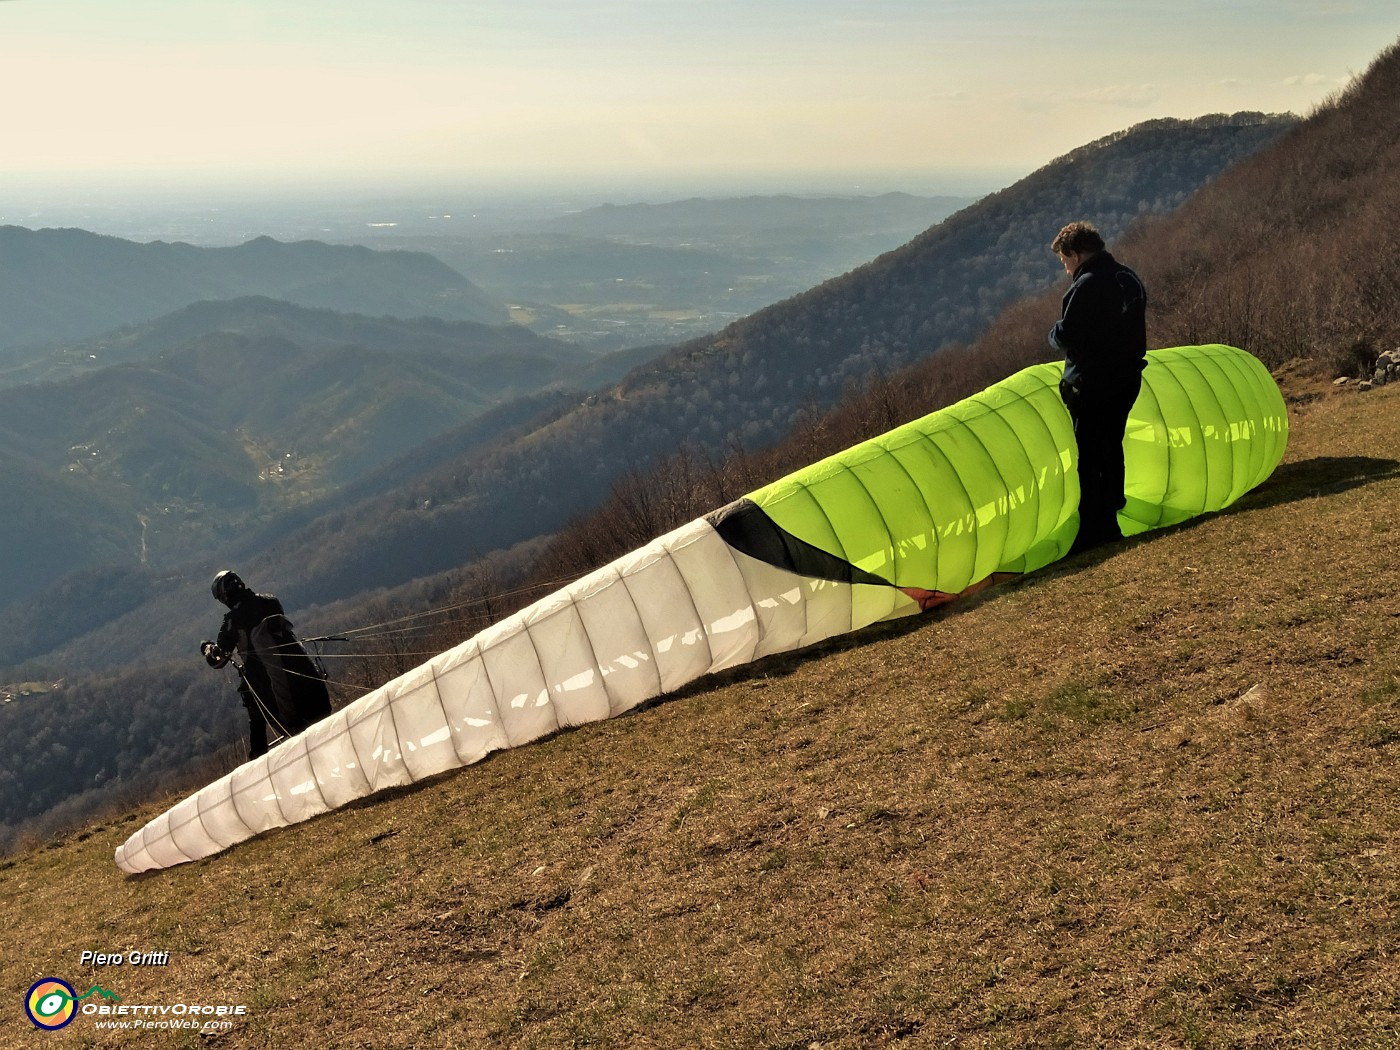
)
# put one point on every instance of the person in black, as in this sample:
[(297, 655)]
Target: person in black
[(1102, 332), (278, 682)]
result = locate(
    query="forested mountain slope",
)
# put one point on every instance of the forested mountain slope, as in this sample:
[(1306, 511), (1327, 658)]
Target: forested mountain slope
[(194, 428)]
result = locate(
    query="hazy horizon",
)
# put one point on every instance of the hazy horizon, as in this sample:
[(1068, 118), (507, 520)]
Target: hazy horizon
[(231, 214), (158, 98)]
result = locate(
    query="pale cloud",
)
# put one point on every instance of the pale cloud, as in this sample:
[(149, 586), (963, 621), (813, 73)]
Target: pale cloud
[(1314, 80), (1121, 96), (1038, 103), (1127, 96)]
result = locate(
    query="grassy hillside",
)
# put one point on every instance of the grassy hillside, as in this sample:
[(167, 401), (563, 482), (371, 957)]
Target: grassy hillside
[(1145, 798)]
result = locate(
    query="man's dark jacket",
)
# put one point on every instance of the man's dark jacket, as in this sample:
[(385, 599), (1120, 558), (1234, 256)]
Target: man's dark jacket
[(276, 668), (1102, 329)]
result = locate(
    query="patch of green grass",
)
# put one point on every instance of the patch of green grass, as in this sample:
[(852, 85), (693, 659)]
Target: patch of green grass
[(1383, 693), (1379, 734), (1015, 710), (774, 860), (1086, 705), (702, 800)]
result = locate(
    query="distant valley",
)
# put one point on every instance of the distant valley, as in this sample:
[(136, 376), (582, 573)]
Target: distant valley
[(618, 275), (161, 441)]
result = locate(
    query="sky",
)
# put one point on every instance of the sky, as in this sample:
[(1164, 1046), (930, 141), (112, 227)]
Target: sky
[(260, 93)]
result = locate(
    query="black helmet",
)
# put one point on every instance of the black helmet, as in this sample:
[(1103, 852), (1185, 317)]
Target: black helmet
[(227, 587)]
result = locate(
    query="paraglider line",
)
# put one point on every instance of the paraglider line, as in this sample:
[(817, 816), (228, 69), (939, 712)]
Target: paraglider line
[(271, 718), (485, 599)]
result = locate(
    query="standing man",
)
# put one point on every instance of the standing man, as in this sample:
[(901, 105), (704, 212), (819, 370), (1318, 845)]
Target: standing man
[(277, 680), (1102, 331)]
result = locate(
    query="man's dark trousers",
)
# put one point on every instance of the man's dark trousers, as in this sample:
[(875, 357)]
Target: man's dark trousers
[(1100, 413)]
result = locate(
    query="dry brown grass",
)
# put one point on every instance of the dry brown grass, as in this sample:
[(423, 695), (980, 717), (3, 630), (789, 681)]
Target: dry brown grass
[(1143, 799)]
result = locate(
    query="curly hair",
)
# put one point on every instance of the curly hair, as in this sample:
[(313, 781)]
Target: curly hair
[(1078, 238)]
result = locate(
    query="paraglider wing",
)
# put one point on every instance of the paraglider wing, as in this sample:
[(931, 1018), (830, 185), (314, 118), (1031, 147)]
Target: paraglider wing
[(904, 521)]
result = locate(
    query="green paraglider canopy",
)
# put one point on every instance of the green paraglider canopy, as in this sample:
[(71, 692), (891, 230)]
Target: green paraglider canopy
[(989, 485)]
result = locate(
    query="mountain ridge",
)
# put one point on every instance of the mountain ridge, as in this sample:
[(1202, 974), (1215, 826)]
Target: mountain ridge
[(66, 285)]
